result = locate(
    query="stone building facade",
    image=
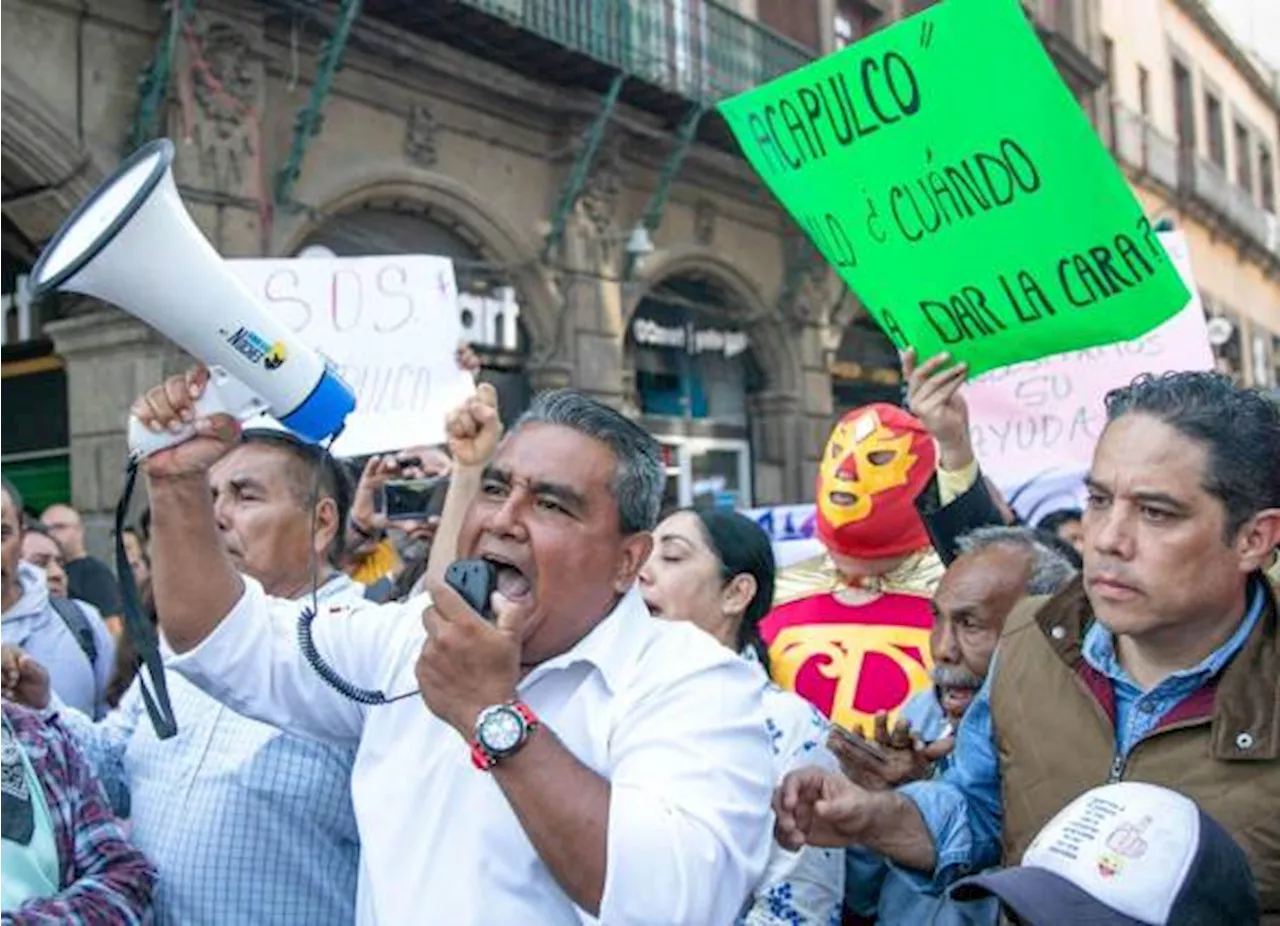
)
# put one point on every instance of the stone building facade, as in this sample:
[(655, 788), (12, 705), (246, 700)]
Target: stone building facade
[(496, 132), (1195, 122)]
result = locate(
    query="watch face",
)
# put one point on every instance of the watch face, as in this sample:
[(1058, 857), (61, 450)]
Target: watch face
[(500, 729)]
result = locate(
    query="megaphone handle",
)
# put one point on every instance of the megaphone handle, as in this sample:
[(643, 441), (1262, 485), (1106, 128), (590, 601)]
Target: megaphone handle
[(224, 395)]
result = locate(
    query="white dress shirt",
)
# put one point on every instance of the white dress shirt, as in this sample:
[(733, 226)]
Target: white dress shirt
[(671, 718)]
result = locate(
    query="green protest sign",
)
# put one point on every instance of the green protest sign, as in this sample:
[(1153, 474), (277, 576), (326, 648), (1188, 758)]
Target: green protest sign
[(944, 169)]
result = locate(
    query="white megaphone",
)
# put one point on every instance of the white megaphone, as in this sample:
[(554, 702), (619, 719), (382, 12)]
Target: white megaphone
[(133, 244)]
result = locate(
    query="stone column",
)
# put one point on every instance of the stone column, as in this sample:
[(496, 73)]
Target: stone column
[(549, 375), (818, 406), (597, 297), (111, 358), (776, 429), (809, 293), (219, 131)]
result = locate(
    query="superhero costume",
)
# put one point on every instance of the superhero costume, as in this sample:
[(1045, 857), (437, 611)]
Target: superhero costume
[(857, 650)]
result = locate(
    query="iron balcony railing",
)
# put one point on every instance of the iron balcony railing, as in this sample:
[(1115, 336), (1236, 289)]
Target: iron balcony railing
[(1139, 144), (696, 48)]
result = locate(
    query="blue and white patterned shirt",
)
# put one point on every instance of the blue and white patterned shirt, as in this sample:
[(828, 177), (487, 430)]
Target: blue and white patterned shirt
[(804, 888), (245, 824)]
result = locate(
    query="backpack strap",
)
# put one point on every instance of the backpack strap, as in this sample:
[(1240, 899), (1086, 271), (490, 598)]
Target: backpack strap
[(78, 623)]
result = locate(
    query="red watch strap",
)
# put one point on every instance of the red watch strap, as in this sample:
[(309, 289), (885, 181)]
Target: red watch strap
[(481, 758), (525, 711), (484, 760)]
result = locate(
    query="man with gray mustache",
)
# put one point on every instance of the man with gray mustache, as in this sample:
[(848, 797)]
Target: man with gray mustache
[(997, 567)]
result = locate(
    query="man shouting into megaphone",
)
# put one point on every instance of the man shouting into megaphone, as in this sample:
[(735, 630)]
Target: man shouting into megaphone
[(570, 759)]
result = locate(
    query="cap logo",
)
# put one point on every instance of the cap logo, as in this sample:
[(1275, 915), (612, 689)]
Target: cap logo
[(1125, 842), (1127, 838), (1109, 865)]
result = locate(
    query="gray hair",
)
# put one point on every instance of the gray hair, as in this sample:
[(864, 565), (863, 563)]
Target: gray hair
[(1050, 568), (639, 477)]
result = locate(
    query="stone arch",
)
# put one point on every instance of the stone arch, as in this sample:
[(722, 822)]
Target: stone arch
[(497, 237), (47, 170), (771, 341)]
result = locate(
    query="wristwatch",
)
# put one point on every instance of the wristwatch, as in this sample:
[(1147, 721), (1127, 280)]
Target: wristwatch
[(501, 730)]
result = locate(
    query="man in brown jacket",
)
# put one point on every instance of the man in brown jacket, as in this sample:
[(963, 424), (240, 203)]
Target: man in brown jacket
[(1162, 665)]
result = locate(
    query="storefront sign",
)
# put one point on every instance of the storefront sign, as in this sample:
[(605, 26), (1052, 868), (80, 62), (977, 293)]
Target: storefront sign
[(972, 211), (649, 333), (490, 320), (390, 325), (1034, 425)]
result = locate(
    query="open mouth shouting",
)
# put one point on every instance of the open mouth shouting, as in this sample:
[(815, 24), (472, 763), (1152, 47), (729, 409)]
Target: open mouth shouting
[(514, 577)]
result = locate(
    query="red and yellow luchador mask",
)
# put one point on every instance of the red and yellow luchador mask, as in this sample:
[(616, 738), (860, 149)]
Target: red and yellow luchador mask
[(877, 460)]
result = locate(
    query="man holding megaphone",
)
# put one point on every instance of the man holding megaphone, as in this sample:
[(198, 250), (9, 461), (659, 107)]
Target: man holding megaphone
[(569, 759)]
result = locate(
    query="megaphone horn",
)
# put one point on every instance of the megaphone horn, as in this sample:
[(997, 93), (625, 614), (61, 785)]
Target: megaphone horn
[(132, 243)]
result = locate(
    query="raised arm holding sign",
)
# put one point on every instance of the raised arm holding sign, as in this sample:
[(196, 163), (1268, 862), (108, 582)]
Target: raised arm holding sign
[(961, 193)]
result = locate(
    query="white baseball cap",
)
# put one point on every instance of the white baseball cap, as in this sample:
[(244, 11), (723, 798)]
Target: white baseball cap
[(1126, 854)]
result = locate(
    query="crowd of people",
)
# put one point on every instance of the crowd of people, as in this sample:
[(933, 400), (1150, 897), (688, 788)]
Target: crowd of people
[(949, 717)]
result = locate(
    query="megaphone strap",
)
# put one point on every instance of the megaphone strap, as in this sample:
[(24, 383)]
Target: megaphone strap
[(146, 641)]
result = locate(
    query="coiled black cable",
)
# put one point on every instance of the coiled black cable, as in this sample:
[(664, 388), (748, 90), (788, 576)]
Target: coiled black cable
[(306, 641)]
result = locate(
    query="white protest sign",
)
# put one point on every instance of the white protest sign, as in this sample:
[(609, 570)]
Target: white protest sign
[(1034, 425), (793, 530), (389, 324)]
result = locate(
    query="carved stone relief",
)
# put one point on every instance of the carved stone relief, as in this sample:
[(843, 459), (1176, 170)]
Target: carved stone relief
[(704, 222), (420, 130), (805, 296), (218, 83), (599, 196)]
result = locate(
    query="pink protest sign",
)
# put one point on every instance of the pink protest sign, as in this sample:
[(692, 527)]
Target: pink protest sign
[(1034, 425)]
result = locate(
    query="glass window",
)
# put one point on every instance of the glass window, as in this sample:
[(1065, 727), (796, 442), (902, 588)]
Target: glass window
[(1266, 177), (1213, 126), (1184, 117), (717, 478), (853, 21), (691, 361), (865, 368), (1244, 158)]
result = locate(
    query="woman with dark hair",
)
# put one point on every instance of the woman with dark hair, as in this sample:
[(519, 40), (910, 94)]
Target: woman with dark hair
[(715, 569), (1067, 524)]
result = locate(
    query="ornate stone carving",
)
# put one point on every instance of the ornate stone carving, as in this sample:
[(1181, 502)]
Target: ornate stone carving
[(420, 136), (223, 82), (805, 295), (599, 196), (704, 222)]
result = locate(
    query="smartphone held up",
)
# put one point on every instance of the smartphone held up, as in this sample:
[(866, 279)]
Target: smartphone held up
[(413, 499)]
